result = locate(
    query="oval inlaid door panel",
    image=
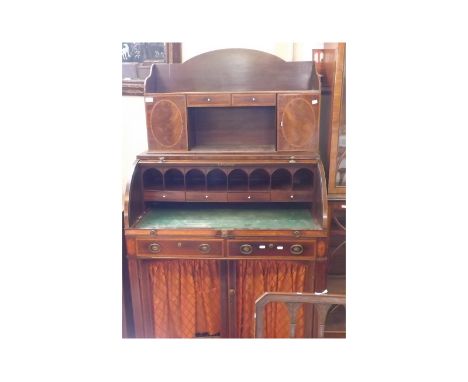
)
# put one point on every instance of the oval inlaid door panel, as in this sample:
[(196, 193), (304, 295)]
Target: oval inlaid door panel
[(298, 122), (167, 123)]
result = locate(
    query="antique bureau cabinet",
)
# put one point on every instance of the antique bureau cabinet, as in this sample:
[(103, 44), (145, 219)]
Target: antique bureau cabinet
[(230, 199)]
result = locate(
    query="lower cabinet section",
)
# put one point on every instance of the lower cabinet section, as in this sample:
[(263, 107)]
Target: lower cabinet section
[(191, 298)]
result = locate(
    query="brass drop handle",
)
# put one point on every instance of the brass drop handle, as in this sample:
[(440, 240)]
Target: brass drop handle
[(246, 249), (204, 248), (296, 249), (154, 247)]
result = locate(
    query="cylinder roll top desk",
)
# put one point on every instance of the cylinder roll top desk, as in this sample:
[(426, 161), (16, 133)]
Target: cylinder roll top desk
[(230, 199)]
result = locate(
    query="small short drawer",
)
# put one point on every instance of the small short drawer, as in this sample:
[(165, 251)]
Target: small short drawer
[(258, 99), (179, 247), (168, 196), (270, 248), (206, 196), (208, 99), (292, 196), (248, 196)]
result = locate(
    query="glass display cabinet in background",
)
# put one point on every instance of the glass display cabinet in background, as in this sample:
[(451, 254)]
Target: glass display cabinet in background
[(333, 154)]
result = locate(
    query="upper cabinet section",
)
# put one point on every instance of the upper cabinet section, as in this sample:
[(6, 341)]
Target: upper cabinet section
[(233, 101)]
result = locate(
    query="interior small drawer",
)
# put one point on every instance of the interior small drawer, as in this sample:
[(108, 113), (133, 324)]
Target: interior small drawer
[(269, 247), (248, 196), (257, 99), (292, 196), (179, 247), (168, 196), (192, 196), (208, 100)]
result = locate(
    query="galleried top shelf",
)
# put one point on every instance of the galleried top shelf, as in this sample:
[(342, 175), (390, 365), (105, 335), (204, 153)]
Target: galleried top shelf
[(232, 70)]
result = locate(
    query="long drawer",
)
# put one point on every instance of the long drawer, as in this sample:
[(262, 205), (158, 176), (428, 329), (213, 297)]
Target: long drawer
[(269, 247), (178, 247)]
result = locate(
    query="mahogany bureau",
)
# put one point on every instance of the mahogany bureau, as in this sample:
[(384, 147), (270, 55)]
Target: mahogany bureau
[(230, 199)]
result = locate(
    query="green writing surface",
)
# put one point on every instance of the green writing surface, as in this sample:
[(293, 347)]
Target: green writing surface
[(217, 216)]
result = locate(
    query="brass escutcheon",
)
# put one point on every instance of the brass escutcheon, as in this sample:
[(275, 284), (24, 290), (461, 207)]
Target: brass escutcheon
[(205, 248), (154, 247)]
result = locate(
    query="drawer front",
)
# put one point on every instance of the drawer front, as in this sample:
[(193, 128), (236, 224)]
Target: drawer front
[(270, 248), (207, 100), (168, 196), (206, 196), (257, 99), (292, 196), (248, 196), (179, 247)]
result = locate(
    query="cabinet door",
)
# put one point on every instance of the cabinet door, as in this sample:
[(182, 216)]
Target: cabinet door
[(166, 118), (181, 298), (337, 241), (298, 116)]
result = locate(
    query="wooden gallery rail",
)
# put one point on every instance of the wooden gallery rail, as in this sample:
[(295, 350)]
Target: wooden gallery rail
[(293, 301)]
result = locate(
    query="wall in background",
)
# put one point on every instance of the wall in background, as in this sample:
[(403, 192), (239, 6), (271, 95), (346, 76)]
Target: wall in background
[(133, 135)]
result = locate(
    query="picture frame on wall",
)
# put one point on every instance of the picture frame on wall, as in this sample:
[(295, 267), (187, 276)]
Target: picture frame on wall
[(137, 58)]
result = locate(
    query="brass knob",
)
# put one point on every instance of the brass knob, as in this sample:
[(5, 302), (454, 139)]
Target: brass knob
[(246, 249), (208, 99), (154, 247), (296, 249), (253, 99), (204, 248), (292, 196), (206, 196)]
